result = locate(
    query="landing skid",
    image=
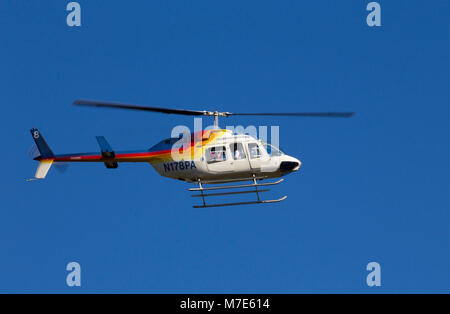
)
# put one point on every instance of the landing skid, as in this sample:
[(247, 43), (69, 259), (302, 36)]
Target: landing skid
[(254, 185)]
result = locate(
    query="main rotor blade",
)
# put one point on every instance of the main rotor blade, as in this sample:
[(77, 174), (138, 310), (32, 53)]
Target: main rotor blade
[(300, 114), (93, 103)]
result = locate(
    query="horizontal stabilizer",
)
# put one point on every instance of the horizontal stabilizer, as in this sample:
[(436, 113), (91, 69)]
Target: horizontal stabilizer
[(107, 152), (105, 148)]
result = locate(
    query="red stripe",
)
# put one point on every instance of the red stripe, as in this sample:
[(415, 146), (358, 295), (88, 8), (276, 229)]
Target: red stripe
[(118, 156)]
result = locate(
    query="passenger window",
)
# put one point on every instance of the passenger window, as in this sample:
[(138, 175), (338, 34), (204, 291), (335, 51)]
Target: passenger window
[(254, 150), (237, 151), (216, 154)]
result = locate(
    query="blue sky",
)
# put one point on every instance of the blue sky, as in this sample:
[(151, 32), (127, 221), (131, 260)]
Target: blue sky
[(371, 189)]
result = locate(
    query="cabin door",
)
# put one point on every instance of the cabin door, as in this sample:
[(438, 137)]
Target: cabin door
[(239, 158)]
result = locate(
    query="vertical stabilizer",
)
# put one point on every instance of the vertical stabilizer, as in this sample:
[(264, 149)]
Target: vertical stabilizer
[(45, 157), (41, 144)]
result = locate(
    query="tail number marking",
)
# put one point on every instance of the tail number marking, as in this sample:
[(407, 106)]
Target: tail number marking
[(179, 166)]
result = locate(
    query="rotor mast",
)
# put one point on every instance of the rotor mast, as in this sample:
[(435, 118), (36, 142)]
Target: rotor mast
[(216, 120), (216, 114)]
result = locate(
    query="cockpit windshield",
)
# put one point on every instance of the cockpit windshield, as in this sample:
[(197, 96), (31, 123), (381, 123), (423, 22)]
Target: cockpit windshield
[(272, 150)]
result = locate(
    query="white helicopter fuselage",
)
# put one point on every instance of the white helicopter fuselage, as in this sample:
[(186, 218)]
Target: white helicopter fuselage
[(229, 157)]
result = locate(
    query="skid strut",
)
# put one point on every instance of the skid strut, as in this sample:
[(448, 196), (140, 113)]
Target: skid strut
[(254, 185)]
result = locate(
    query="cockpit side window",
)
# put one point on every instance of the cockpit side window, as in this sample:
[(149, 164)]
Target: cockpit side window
[(216, 154), (237, 151)]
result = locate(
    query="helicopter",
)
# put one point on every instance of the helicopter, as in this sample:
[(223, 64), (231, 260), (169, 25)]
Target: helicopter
[(214, 159)]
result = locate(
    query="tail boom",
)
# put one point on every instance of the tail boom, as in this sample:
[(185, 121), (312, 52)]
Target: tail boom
[(108, 156)]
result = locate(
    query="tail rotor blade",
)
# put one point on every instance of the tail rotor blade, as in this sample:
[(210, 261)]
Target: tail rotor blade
[(33, 152), (61, 167)]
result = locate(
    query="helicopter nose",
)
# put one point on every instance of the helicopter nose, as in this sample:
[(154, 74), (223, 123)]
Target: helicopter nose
[(290, 165)]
